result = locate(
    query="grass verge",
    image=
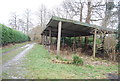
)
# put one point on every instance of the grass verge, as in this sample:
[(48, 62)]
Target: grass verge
[(39, 65), (10, 55), (8, 48)]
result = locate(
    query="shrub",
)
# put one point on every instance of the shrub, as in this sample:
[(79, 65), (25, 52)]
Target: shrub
[(62, 59), (77, 60), (9, 35), (58, 57), (69, 40)]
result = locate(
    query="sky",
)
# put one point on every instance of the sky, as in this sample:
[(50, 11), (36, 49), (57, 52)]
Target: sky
[(19, 6)]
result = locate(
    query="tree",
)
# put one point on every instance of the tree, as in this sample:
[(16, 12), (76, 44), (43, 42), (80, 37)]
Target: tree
[(42, 16), (21, 25), (28, 21), (108, 13), (89, 10), (13, 20), (89, 14), (59, 11), (35, 33), (73, 9), (119, 26)]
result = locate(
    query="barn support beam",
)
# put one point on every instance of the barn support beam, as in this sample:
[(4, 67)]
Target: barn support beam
[(59, 37), (50, 38), (45, 40), (41, 40), (94, 43)]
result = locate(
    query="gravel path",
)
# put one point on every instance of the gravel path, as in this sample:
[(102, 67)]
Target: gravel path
[(14, 49), (13, 69)]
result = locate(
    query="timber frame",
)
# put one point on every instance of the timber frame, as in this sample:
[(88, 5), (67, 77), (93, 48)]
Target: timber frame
[(60, 27)]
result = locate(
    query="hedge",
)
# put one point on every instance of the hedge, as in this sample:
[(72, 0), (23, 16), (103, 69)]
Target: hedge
[(8, 35)]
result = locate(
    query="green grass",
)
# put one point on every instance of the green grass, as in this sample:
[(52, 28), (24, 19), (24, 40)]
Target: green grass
[(14, 46), (7, 57), (39, 65), (10, 55)]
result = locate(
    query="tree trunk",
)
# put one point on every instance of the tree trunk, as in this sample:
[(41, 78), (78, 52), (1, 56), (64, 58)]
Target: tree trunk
[(81, 10), (119, 26), (89, 12), (88, 20)]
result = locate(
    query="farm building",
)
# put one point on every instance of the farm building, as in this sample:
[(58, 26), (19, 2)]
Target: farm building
[(60, 27)]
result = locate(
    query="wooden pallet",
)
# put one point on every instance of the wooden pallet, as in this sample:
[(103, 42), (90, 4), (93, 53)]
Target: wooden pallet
[(62, 62)]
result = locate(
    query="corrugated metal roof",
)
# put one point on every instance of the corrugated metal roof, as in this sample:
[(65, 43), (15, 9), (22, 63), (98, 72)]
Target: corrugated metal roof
[(71, 28)]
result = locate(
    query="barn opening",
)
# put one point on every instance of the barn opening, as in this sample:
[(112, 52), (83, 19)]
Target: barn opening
[(58, 30)]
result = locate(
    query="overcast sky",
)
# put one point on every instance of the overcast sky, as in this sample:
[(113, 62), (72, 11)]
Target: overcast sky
[(18, 6)]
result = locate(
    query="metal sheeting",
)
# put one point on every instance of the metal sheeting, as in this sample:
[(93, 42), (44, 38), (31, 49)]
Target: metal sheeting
[(71, 28)]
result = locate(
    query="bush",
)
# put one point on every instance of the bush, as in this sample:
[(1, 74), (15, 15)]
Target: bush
[(69, 40), (58, 57), (62, 59), (77, 60), (9, 35)]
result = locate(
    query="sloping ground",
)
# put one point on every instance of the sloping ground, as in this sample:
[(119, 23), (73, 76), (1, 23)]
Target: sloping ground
[(39, 66)]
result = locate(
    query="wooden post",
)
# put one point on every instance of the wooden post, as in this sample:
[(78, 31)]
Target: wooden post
[(49, 39), (50, 36), (94, 43), (41, 40), (45, 40), (59, 37), (63, 43)]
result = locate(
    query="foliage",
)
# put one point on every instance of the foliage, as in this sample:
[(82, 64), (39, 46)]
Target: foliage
[(110, 46), (118, 46), (69, 41), (110, 5), (58, 57), (62, 59), (39, 66), (36, 36), (11, 36), (77, 60), (98, 41)]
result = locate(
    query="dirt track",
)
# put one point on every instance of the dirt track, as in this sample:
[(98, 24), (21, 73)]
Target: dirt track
[(14, 66)]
